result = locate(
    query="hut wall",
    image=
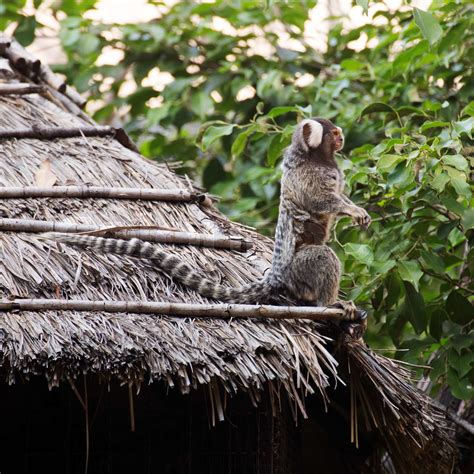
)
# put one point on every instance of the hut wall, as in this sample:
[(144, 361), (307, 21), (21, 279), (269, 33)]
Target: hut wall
[(44, 431)]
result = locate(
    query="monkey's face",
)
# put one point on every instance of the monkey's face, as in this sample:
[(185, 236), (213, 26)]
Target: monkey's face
[(319, 134), (337, 138)]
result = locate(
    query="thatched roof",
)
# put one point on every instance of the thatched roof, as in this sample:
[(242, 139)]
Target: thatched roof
[(246, 355)]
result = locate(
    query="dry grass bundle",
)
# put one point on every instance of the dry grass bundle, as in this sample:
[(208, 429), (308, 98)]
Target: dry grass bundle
[(411, 427)]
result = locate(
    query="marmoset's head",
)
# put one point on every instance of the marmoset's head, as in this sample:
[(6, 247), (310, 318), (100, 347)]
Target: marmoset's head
[(318, 134)]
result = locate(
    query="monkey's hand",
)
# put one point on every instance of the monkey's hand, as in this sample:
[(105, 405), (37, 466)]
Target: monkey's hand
[(360, 216)]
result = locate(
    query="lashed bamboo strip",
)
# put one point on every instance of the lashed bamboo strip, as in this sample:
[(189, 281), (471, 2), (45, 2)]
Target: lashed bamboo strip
[(52, 79), (20, 88), (125, 232), (50, 133), (22, 60), (173, 195), (184, 310), (5, 68), (26, 63), (4, 43)]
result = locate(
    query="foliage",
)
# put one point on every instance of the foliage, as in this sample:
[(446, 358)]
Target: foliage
[(405, 101)]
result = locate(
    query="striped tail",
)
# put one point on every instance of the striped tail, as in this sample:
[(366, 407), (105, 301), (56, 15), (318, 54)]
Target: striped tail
[(258, 292)]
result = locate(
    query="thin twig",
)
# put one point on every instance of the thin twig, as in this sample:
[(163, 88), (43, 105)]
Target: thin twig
[(76, 392), (131, 407), (183, 310)]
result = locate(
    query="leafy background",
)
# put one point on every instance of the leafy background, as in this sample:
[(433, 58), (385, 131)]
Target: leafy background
[(404, 98)]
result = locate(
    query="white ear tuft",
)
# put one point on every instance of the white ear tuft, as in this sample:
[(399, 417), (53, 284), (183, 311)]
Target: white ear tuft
[(316, 132)]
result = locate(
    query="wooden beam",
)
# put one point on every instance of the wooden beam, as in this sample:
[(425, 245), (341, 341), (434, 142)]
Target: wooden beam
[(83, 192), (147, 233), (181, 310)]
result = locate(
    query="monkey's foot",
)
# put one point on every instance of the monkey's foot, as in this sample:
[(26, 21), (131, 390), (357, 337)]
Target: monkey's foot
[(355, 320), (351, 313)]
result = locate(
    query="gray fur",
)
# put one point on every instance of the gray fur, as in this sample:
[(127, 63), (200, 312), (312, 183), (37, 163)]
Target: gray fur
[(303, 267)]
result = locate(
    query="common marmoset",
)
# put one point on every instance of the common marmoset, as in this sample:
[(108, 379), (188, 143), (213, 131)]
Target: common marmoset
[(303, 267)]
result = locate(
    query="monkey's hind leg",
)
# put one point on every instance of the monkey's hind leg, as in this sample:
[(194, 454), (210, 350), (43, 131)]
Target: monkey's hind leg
[(313, 277)]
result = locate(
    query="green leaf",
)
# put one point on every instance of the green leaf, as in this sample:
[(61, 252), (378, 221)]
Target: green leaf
[(465, 126), (429, 26), (459, 181), (436, 323), (277, 145), (458, 161), (383, 267), (377, 107), (433, 261), (238, 146), (388, 162), (361, 252), (410, 272), (352, 65), (433, 124), (459, 309), (462, 341), (468, 219), (201, 104), (214, 132), (277, 111), (453, 205), (89, 44), (440, 181), (460, 388), (414, 308), (445, 229), (401, 175), (469, 109), (406, 58), (25, 31), (461, 363), (394, 287)]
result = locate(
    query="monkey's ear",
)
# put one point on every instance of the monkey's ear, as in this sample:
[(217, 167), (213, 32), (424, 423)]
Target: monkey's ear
[(311, 133)]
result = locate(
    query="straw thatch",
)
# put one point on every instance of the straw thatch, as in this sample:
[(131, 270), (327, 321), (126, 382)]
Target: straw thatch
[(245, 354)]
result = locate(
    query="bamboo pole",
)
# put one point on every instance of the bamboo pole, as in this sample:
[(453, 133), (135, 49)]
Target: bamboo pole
[(20, 88), (129, 232), (148, 194), (182, 310), (50, 133), (57, 132)]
